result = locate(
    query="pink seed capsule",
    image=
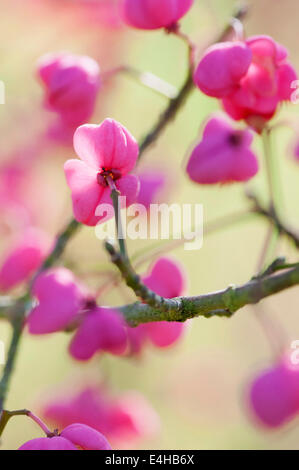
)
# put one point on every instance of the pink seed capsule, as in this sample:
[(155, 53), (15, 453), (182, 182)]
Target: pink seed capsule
[(273, 394), (71, 85), (104, 150)]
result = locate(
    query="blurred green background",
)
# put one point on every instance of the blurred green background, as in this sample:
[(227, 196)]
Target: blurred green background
[(198, 386)]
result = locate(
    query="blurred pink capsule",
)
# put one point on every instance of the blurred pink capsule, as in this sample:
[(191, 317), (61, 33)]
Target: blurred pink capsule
[(102, 330), (73, 437), (71, 85), (105, 150), (154, 14), (123, 419), (60, 298), (223, 155), (274, 394), (223, 65), (23, 258), (105, 13), (296, 151), (152, 184)]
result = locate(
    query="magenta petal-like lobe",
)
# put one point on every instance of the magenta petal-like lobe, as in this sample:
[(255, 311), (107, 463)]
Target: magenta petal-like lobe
[(129, 186), (108, 145), (112, 334), (86, 341), (166, 278), (102, 330), (223, 155), (163, 334)]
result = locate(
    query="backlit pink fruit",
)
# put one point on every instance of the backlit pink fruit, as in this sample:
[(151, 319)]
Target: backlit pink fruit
[(274, 394), (73, 437), (105, 150)]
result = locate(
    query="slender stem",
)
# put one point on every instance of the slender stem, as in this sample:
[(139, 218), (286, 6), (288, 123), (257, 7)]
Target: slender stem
[(41, 424), (238, 29), (6, 415), (168, 115), (176, 30), (146, 79)]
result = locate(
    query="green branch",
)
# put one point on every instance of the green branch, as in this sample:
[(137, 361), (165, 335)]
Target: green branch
[(221, 303)]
